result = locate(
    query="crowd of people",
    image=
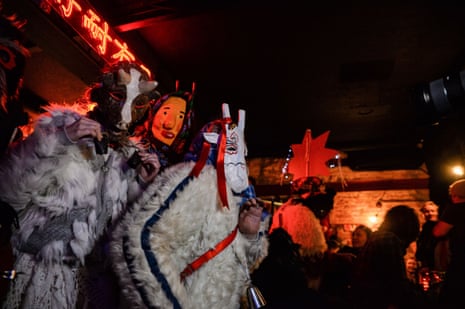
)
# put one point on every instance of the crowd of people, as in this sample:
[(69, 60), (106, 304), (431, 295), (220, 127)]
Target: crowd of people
[(124, 206)]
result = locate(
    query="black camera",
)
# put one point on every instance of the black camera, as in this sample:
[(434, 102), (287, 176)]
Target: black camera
[(440, 98)]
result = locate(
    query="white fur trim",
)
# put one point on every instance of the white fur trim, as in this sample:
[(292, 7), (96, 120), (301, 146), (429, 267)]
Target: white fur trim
[(194, 223)]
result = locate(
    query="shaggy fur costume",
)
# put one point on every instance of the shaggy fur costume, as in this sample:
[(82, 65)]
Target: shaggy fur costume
[(303, 226), (65, 203), (194, 223), (306, 231)]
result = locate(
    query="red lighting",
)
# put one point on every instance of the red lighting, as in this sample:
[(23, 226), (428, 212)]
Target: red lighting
[(95, 31)]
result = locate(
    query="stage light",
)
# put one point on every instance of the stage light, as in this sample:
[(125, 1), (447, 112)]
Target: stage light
[(458, 170)]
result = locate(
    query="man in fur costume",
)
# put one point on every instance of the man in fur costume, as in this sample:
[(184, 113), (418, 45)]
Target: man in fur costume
[(298, 217), (69, 180), (197, 231), (164, 133)]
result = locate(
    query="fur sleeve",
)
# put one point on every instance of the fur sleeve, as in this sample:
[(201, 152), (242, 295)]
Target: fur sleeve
[(26, 161), (257, 249)]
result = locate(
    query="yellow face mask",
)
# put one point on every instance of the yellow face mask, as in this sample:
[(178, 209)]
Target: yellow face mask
[(168, 120)]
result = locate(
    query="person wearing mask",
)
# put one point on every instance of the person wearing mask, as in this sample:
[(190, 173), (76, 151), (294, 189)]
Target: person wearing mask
[(167, 129), (69, 181), (193, 237), (451, 224)]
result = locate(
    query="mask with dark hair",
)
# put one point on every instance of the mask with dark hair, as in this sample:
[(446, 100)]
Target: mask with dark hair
[(123, 97), (172, 144)]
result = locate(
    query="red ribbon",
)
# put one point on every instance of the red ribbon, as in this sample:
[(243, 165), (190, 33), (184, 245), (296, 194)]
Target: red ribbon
[(202, 160), (221, 177), (197, 263)]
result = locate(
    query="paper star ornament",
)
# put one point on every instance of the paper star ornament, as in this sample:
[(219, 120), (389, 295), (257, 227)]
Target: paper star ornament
[(310, 157)]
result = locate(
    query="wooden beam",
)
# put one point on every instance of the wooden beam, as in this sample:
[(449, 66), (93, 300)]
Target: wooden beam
[(362, 185)]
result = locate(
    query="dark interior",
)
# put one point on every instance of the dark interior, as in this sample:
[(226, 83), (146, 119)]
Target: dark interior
[(383, 77)]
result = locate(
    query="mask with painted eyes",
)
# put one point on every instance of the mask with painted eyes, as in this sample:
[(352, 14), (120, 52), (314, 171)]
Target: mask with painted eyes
[(227, 151), (123, 96), (235, 165), (170, 117)]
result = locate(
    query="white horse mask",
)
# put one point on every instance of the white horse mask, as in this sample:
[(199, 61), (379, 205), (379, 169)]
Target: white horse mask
[(227, 151)]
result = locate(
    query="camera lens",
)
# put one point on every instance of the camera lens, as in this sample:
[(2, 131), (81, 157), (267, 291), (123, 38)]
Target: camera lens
[(440, 97)]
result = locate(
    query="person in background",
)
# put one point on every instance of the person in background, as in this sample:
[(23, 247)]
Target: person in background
[(335, 274), (380, 279), (334, 245), (426, 243), (451, 224), (297, 216), (338, 268), (360, 237), (281, 276), (411, 266), (69, 181)]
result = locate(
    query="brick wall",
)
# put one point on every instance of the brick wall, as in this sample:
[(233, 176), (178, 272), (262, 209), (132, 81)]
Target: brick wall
[(361, 195)]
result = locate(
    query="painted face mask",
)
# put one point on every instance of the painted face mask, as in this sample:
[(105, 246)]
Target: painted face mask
[(168, 120), (235, 152), (225, 143), (167, 130)]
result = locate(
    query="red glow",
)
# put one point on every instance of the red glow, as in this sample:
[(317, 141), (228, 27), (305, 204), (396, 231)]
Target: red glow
[(95, 31), (310, 157)]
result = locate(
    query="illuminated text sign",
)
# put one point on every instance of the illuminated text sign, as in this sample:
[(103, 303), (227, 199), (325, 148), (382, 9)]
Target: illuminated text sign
[(94, 30)]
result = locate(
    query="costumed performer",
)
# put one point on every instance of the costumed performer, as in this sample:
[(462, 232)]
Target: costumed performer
[(165, 132), (69, 180), (197, 231), (167, 129), (298, 217)]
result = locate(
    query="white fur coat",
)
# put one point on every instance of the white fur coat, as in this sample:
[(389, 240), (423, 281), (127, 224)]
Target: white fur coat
[(64, 203), (194, 223), (303, 226)]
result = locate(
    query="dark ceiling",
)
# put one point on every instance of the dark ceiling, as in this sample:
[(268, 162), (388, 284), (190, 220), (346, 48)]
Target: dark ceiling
[(354, 70), (350, 69)]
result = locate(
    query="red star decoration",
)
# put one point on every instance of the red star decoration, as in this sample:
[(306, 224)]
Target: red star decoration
[(311, 156)]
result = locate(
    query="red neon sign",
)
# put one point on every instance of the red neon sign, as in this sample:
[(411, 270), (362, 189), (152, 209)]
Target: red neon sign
[(94, 30)]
